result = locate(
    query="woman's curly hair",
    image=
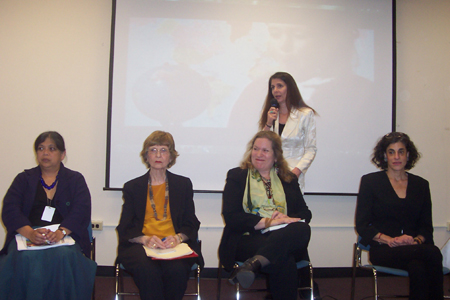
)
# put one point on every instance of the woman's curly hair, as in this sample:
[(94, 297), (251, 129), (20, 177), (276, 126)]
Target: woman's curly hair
[(379, 152)]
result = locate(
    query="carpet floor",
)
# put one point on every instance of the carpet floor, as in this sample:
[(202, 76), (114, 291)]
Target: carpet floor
[(330, 288)]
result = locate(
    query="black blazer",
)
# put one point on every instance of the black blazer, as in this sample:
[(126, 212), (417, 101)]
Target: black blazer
[(237, 221), (72, 199), (379, 209), (181, 208)]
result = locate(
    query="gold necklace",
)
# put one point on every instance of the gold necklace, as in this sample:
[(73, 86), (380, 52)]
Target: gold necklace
[(152, 202)]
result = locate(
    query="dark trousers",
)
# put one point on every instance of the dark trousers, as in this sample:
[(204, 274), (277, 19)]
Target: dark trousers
[(423, 263), (156, 279), (283, 248)]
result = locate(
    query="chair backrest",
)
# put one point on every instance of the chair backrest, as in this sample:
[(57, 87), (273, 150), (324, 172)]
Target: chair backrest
[(92, 240), (90, 231), (357, 252), (361, 246)]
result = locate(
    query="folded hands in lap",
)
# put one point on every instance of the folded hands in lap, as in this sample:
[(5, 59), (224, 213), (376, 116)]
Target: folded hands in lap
[(402, 240), (155, 242)]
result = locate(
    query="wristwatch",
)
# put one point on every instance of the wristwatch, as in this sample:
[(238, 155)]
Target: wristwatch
[(180, 237), (63, 231)]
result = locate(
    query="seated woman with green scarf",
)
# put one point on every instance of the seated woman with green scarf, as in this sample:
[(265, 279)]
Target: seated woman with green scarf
[(261, 194)]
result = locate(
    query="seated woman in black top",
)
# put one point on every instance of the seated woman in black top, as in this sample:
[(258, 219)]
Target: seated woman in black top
[(158, 212), (393, 216), (47, 194), (260, 194)]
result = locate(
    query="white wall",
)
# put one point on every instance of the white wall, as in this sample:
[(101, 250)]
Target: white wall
[(54, 66)]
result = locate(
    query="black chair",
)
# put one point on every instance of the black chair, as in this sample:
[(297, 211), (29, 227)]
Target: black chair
[(120, 270), (92, 240), (92, 253), (300, 265), (358, 249)]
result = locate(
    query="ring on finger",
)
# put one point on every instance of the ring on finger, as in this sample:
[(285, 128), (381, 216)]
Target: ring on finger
[(154, 245)]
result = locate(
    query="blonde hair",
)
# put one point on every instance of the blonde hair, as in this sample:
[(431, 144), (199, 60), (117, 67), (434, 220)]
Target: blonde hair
[(282, 165)]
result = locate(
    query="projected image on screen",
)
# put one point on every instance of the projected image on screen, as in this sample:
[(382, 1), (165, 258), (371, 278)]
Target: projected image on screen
[(200, 71)]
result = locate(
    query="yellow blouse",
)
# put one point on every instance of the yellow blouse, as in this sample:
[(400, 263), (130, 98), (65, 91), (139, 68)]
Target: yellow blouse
[(160, 228)]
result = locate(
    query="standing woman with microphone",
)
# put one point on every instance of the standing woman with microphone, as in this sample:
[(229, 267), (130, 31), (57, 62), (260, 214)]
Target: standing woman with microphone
[(287, 114)]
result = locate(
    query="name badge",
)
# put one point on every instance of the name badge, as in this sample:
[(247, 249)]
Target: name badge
[(48, 213)]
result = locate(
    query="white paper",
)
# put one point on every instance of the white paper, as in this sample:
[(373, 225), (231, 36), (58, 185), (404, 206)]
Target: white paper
[(180, 250), (164, 251), (22, 241), (276, 227)]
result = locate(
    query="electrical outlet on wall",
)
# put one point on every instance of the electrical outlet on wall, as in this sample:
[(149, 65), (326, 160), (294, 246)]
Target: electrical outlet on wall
[(97, 225)]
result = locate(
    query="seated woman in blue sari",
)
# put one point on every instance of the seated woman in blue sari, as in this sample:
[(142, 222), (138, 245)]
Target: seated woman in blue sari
[(45, 195)]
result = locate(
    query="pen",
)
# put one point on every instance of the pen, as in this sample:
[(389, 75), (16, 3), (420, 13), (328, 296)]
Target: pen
[(163, 239)]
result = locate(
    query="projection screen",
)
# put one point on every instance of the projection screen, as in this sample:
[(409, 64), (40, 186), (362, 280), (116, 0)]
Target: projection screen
[(200, 70)]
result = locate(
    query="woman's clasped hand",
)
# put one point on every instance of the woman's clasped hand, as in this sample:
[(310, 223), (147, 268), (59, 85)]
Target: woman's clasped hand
[(277, 218), (155, 242), (282, 218), (401, 241), (41, 236)]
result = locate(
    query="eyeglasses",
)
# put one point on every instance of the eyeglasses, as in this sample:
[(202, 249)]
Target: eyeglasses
[(395, 135), (155, 151)]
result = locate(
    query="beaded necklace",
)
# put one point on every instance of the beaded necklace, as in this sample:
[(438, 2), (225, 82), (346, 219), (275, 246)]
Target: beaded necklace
[(52, 185), (268, 187), (152, 202)]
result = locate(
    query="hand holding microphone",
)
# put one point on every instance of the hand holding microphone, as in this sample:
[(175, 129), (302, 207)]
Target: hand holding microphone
[(272, 114)]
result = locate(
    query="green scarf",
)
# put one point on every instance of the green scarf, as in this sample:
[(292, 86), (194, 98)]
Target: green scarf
[(256, 201)]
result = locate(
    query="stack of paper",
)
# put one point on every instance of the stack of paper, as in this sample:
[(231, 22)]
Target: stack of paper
[(180, 251), (25, 244)]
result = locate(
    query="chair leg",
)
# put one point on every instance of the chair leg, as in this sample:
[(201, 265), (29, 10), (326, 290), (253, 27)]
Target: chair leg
[(311, 280), (92, 254), (375, 281), (117, 274), (238, 294), (198, 282), (352, 293), (237, 285), (219, 281)]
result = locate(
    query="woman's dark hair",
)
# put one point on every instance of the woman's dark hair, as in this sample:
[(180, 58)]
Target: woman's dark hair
[(56, 137), (159, 138), (379, 152), (294, 99), (282, 165)]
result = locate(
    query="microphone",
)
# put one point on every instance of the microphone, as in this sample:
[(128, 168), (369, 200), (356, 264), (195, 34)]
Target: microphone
[(274, 103)]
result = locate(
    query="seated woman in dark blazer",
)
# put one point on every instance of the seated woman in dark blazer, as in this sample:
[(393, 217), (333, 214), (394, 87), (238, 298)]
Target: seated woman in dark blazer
[(158, 212), (393, 216), (259, 194), (47, 194)]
